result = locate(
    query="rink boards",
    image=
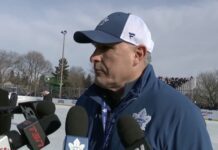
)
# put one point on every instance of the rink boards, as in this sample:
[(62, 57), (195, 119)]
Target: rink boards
[(207, 114)]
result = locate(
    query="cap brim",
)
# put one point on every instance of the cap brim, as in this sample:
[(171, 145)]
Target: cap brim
[(95, 37)]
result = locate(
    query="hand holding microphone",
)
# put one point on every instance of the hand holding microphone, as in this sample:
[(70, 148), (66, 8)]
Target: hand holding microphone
[(31, 138), (33, 131), (131, 135)]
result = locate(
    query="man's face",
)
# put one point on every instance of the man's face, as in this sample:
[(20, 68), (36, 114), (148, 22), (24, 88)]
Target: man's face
[(113, 65)]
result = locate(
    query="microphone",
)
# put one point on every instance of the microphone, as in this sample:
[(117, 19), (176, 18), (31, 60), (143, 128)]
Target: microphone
[(37, 109), (33, 109), (15, 139), (5, 119), (4, 143), (130, 133), (10, 110), (33, 133), (76, 129), (48, 123)]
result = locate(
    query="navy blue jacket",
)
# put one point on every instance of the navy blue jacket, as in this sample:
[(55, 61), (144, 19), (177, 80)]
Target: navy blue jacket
[(172, 121)]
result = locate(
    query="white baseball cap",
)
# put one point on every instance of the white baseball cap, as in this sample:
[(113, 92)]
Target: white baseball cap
[(118, 27)]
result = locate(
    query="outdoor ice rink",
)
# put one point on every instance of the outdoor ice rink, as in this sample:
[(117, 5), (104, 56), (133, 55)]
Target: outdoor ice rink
[(56, 139)]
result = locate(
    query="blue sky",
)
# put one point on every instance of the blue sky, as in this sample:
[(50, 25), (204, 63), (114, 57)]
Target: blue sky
[(185, 32)]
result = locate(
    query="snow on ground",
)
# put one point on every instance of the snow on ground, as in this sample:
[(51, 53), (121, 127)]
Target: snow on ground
[(56, 139), (212, 127)]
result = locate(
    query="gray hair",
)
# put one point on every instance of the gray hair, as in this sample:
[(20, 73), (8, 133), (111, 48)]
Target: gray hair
[(148, 58)]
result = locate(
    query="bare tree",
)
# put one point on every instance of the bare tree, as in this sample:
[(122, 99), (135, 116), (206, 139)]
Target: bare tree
[(32, 66), (7, 60), (207, 88), (76, 81), (76, 77)]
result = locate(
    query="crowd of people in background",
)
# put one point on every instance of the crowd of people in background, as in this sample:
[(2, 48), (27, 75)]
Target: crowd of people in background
[(175, 82)]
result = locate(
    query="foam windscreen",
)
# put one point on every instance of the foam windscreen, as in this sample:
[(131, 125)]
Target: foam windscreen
[(76, 122), (5, 119), (129, 130)]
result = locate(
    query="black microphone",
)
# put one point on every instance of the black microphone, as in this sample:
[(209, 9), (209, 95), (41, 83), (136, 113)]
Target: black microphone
[(5, 123), (76, 129), (5, 119), (130, 133), (37, 109), (33, 133), (16, 140), (49, 124), (10, 110), (32, 109)]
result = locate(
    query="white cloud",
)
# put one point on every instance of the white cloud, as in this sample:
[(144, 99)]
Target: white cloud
[(185, 33), (185, 38)]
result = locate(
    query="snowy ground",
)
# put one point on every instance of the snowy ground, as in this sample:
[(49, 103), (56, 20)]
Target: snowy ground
[(212, 127), (56, 139)]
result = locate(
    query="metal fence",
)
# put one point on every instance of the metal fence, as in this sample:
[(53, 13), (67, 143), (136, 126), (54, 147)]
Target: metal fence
[(75, 92)]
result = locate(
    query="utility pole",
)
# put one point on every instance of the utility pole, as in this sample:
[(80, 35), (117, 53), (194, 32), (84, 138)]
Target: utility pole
[(64, 32)]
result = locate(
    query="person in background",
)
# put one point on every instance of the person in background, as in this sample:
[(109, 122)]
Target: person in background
[(13, 101), (126, 84), (47, 96)]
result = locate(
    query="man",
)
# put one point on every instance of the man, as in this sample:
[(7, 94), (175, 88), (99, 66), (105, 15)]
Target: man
[(125, 83)]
